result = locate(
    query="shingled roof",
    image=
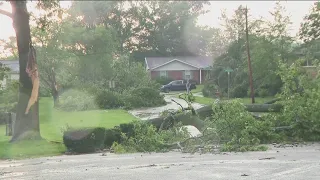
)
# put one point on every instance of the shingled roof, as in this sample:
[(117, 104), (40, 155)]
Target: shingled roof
[(195, 61), (13, 65)]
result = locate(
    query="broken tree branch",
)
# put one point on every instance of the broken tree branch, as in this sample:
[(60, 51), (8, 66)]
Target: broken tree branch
[(6, 13)]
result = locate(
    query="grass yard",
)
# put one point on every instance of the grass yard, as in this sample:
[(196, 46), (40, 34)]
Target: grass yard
[(208, 101), (52, 124)]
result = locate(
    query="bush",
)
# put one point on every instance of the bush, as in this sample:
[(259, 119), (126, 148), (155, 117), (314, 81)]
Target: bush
[(10, 94), (84, 140), (301, 103), (163, 80), (114, 134), (239, 91), (143, 97), (209, 90), (108, 100), (76, 100), (238, 128), (3, 116), (143, 137), (44, 92), (262, 92)]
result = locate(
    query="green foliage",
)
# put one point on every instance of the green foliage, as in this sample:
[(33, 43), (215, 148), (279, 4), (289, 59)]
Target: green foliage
[(76, 100), (84, 140), (131, 75), (3, 72), (311, 26), (237, 129), (163, 80), (262, 92), (3, 117), (209, 89), (143, 97), (145, 138), (239, 91), (108, 100), (9, 96), (300, 96)]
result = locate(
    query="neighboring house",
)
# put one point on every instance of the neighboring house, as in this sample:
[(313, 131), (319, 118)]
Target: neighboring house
[(190, 67), (13, 74)]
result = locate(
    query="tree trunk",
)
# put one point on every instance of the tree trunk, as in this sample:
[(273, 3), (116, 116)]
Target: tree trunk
[(206, 111), (55, 96), (26, 126)]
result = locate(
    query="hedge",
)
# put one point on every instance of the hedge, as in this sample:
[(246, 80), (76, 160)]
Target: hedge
[(87, 140), (84, 140)]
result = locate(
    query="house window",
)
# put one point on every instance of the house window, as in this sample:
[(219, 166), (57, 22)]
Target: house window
[(187, 74), (163, 74)]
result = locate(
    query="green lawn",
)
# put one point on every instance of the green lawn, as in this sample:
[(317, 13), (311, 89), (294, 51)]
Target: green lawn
[(208, 101), (52, 123), (198, 89)]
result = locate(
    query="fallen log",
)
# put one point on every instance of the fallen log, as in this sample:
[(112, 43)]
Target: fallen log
[(186, 118), (272, 101), (206, 111)]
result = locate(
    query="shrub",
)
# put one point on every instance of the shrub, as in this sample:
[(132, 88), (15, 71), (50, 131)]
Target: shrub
[(3, 117), (114, 134), (238, 128), (44, 92), (76, 100), (145, 138), (301, 103), (108, 100), (84, 140), (143, 97), (239, 91), (163, 80), (10, 94), (209, 90), (262, 92)]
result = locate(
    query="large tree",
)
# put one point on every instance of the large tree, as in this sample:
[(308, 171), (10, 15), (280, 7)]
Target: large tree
[(26, 125), (277, 32), (56, 64), (235, 26), (310, 34), (153, 28)]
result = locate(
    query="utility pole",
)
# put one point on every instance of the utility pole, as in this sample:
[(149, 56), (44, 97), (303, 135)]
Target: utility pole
[(249, 61)]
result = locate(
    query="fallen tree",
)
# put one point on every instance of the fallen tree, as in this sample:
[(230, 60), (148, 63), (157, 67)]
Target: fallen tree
[(189, 118)]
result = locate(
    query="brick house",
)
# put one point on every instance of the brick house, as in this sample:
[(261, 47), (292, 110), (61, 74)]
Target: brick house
[(177, 68)]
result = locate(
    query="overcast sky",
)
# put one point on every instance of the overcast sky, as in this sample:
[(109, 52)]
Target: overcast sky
[(296, 9)]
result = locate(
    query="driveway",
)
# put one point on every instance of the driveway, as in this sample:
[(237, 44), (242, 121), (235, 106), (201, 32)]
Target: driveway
[(279, 163), (149, 113)]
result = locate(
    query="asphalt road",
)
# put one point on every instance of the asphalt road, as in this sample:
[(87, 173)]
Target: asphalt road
[(289, 163)]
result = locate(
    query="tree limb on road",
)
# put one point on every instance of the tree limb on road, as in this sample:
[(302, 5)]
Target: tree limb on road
[(187, 118)]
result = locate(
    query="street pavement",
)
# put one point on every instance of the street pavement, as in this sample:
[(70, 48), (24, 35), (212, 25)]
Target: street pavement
[(278, 163)]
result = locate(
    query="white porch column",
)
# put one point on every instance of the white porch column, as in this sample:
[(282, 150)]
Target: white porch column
[(200, 77)]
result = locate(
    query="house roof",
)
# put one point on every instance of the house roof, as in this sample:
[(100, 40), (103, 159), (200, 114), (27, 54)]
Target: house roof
[(199, 62), (13, 65)]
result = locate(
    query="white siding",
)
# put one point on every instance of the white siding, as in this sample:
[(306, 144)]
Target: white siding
[(175, 66)]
